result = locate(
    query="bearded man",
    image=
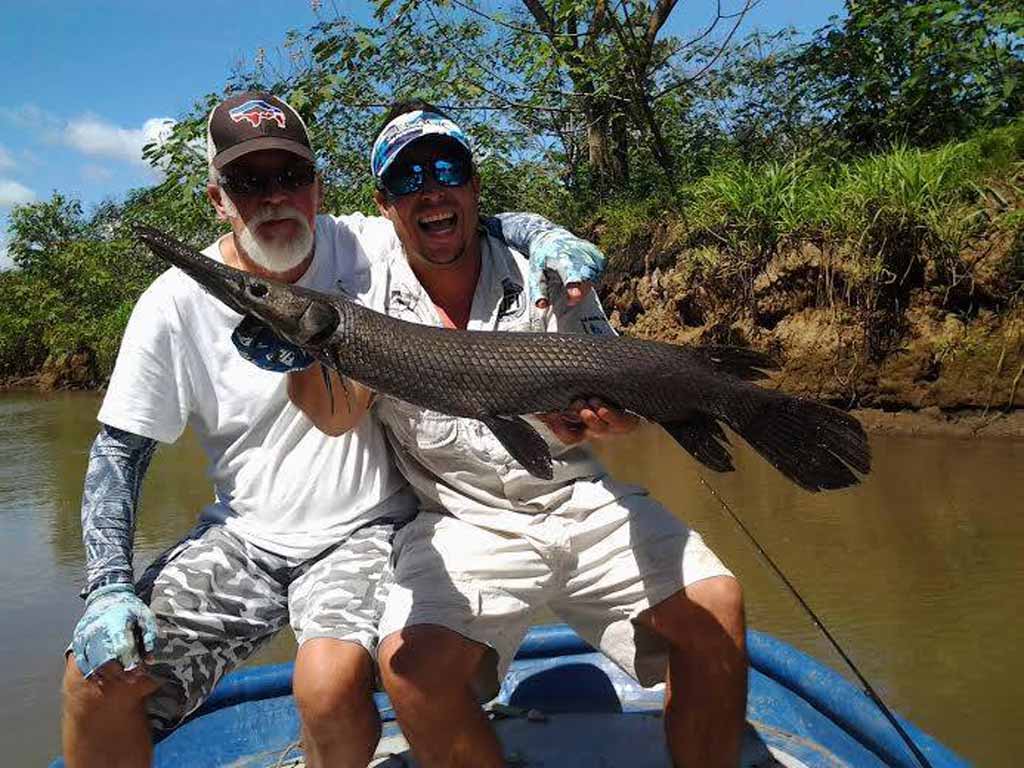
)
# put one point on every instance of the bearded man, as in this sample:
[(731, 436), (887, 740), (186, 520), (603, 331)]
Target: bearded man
[(300, 527)]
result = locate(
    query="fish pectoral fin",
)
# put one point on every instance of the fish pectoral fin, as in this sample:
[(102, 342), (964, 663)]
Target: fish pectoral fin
[(704, 439), (523, 442)]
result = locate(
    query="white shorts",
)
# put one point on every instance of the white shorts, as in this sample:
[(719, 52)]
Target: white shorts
[(596, 570)]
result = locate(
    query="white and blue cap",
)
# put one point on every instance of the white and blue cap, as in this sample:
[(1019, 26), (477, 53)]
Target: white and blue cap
[(408, 128)]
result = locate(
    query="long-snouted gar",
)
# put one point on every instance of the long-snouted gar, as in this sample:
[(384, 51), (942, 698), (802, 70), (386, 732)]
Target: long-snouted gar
[(497, 376)]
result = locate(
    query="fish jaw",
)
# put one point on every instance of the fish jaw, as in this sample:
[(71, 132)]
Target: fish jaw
[(295, 314)]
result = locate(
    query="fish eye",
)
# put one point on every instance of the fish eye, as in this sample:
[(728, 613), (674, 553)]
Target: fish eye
[(259, 290)]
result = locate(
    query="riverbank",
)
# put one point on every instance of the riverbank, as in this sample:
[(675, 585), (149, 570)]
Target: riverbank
[(902, 293), (893, 283), (933, 422)]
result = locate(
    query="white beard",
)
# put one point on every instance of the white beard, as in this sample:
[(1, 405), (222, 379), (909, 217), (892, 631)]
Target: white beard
[(273, 257)]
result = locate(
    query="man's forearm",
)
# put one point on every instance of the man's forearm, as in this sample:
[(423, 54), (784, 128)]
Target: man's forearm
[(550, 249), (333, 411), (118, 462), (518, 229)]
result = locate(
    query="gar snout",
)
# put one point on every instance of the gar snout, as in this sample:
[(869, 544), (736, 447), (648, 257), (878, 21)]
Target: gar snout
[(300, 318)]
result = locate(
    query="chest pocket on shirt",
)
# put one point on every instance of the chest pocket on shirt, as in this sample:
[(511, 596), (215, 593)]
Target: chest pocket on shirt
[(423, 431)]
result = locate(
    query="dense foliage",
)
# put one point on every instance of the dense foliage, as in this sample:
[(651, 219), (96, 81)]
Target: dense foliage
[(883, 123)]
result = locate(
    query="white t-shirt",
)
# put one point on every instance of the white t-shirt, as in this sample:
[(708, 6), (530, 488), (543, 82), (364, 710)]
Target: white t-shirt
[(284, 485)]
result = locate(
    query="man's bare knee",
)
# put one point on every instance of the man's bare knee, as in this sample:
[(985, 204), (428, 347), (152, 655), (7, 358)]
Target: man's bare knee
[(722, 597), (333, 679), (102, 699), (711, 607), (427, 658)]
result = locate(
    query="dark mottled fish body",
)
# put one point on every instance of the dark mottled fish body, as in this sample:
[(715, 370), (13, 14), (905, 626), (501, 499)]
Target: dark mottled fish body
[(498, 376)]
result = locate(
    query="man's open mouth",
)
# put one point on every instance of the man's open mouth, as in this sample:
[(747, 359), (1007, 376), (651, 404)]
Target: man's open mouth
[(437, 222)]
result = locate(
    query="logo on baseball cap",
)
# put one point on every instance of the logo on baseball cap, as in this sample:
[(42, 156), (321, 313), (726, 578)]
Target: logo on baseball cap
[(251, 121), (407, 128)]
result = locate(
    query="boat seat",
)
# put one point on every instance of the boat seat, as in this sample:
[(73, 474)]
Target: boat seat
[(567, 688)]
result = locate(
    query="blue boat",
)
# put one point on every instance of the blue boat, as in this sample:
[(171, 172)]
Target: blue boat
[(564, 706)]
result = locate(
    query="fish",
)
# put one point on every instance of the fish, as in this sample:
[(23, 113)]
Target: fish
[(498, 377)]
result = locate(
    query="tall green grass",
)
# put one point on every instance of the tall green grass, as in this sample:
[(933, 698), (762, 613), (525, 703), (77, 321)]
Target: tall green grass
[(929, 201)]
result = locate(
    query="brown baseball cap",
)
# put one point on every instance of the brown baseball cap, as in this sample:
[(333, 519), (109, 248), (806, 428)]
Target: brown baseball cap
[(251, 121)]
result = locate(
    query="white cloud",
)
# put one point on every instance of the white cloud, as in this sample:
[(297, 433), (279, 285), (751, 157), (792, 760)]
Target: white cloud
[(95, 137), (6, 161), (13, 193)]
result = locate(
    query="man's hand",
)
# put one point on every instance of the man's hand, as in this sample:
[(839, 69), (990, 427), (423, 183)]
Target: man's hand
[(116, 626), (262, 347), (578, 264), (588, 420)]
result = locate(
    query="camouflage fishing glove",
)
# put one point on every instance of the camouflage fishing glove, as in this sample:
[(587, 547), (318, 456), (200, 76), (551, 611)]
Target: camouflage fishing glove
[(574, 260), (262, 347), (552, 248), (116, 626)]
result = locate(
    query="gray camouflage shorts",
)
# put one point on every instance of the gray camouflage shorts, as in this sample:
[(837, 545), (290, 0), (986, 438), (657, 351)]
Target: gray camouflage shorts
[(218, 599)]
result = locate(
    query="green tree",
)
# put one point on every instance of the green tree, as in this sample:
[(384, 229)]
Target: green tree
[(582, 86), (918, 71), (38, 230)]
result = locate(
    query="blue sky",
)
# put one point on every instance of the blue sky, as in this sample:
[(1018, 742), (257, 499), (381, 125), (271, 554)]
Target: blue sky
[(86, 84)]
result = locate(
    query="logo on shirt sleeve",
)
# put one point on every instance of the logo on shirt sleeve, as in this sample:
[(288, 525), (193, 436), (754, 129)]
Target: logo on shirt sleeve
[(512, 304)]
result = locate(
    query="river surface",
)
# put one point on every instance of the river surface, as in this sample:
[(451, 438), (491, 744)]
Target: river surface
[(916, 571)]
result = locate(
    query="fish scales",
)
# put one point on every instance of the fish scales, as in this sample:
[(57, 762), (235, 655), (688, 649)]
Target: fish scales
[(526, 372)]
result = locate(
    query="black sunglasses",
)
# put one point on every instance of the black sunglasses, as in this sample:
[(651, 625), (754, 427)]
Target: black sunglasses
[(251, 183), (405, 178)]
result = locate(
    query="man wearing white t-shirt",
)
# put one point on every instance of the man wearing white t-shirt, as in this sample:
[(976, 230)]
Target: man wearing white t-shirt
[(300, 527)]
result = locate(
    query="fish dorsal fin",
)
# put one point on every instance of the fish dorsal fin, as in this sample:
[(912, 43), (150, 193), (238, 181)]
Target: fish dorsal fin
[(523, 442)]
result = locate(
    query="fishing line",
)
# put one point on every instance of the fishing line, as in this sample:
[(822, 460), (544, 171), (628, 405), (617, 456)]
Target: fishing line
[(868, 688)]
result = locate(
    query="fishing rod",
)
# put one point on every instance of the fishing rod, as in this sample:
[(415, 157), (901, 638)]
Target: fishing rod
[(868, 688)]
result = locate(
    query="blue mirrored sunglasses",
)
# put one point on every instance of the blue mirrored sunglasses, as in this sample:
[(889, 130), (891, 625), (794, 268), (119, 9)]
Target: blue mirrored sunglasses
[(405, 178)]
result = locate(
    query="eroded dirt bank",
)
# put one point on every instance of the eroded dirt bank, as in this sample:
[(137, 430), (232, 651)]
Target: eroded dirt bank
[(924, 346)]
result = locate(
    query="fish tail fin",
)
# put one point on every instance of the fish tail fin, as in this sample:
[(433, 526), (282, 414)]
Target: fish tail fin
[(741, 362), (704, 439), (816, 446)]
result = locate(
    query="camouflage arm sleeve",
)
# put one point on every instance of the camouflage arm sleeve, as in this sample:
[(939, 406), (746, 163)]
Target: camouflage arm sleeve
[(517, 229), (118, 461)]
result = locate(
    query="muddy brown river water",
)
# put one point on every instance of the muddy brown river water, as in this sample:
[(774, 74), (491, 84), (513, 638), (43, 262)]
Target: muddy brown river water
[(918, 571)]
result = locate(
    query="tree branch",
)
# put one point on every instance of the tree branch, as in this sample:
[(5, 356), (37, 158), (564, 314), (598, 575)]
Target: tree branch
[(515, 27), (747, 6), (659, 16), (540, 15)]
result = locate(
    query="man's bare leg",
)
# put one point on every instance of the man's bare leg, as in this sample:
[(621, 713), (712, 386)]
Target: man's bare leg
[(428, 672), (104, 723), (706, 685), (333, 688)]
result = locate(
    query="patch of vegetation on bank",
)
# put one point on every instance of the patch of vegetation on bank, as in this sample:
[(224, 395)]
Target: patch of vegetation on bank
[(62, 313)]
